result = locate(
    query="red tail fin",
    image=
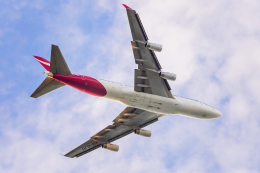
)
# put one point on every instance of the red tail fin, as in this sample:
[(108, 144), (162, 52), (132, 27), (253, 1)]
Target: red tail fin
[(45, 63)]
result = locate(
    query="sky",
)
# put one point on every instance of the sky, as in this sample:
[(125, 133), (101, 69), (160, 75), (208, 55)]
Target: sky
[(212, 46)]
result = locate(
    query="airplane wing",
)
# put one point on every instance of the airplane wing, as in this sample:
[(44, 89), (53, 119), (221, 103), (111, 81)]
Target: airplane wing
[(124, 124), (147, 77)]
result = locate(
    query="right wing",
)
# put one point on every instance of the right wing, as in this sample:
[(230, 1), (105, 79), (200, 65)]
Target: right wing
[(147, 77), (125, 123)]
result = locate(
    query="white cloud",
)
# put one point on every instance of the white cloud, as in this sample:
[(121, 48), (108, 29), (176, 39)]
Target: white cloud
[(5, 86)]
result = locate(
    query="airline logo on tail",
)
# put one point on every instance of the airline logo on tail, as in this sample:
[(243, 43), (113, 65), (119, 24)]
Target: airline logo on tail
[(45, 63)]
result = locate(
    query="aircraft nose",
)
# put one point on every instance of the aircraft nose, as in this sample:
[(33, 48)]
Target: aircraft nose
[(216, 114)]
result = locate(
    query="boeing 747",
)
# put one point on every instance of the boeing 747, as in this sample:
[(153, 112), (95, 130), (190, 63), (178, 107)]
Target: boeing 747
[(146, 102)]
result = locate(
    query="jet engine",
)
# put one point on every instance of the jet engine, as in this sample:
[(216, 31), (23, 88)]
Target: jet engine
[(153, 46), (111, 147), (167, 75), (144, 133)]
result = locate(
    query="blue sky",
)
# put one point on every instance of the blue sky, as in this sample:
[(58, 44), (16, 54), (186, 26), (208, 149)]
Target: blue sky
[(213, 47)]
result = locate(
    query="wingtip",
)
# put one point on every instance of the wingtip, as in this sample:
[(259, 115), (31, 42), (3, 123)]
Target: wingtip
[(64, 155), (126, 6)]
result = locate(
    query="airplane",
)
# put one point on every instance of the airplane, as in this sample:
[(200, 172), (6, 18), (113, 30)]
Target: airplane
[(149, 99)]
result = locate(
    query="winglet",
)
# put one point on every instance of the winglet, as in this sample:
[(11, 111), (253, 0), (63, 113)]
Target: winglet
[(126, 6)]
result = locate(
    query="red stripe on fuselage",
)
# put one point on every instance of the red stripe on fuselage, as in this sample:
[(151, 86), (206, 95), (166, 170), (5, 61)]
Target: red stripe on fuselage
[(85, 84)]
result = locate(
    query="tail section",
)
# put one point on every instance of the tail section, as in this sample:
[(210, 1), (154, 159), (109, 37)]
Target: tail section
[(57, 65)]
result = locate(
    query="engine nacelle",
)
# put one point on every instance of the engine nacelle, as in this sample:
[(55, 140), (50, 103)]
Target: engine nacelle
[(111, 147), (167, 75), (144, 133), (153, 46)]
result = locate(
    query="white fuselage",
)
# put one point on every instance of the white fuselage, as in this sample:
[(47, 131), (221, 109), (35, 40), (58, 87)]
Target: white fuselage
[(158, 104)]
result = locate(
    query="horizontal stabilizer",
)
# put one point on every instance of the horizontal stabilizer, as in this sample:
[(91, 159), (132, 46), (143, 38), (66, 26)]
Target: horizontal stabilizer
[(58, 63), (47, 86)]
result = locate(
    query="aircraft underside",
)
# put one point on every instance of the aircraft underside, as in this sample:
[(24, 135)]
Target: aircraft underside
[(148, 100)]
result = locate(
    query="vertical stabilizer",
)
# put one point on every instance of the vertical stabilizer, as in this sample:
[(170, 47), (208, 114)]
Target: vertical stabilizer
[(58, 64)]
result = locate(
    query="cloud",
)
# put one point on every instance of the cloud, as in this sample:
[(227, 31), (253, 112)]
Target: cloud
[(213, 47)]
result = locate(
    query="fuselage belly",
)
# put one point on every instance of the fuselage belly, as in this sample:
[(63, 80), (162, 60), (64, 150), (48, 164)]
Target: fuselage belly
[(149, 102)]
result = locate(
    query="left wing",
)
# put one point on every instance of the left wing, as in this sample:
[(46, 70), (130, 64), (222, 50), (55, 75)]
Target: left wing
[(124, 124)]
